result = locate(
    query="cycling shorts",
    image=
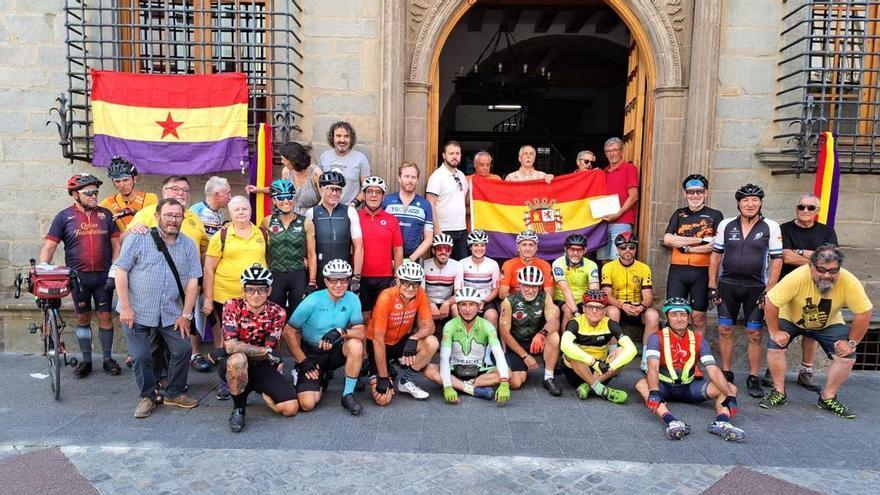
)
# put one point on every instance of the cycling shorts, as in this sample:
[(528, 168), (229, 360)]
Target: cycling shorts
[(734, 297), (576, 381), (288, 289), (693, 393), (515, 362), (263, 378), (493, 304), (391, 352), (327, 361), (825, 337), (370, 289), (92, 287), (690, 282)]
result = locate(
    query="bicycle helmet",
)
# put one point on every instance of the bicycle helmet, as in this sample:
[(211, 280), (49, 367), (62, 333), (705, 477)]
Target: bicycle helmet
[(676, 304), (373, 181), (468, 294), (694, 181), (410, 272), (749, 190), (331, 178), (530, 275), (256, 274), (442, 239), (478, 237), (626, 238), (80, 181), (527, 235), (337, 269), (576, 240), (595, 296), (121, 168), (280, 187)]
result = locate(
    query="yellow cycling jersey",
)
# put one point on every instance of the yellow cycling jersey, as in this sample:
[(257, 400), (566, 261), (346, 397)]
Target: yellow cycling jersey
[(626, 282)]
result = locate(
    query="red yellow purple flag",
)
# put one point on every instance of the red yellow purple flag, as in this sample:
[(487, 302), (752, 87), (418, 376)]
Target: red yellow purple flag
[(553, 211), (261, 174), (170, 124), (827, 185)]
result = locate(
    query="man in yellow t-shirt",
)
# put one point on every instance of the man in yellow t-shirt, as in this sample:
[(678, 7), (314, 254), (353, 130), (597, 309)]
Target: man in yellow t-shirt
[(129, 199), (808, 302), (176, 188)]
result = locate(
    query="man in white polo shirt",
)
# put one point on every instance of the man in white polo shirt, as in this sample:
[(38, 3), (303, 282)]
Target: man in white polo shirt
[(447, 192)]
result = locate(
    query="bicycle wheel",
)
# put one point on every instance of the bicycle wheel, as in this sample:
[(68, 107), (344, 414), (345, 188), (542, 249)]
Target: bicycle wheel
[(53, 353)]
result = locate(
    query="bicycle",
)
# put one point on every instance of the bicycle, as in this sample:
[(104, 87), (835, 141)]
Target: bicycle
[(50, 285)]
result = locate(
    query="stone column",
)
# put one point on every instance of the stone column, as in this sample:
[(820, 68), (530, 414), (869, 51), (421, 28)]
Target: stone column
[(702, 82), (391, 92), (415, 125)]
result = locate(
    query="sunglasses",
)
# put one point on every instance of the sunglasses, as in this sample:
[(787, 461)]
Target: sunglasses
[(410, 285), (283, 197), (458, 181), (253, 291), (334, 190), (807, 207), (822, 270), (443, 248), (624, 247), (336, 281), (695, 192), (91, 192)]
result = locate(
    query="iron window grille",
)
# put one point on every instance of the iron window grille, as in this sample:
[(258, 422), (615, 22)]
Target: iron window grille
[(830, 59), (257, 37)]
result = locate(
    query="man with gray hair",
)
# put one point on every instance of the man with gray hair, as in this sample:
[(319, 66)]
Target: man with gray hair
[(527, 171), (217, 194), (622, 179), (808, 302), (585, 160)]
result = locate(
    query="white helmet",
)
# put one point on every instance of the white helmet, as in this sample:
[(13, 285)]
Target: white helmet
[(466, 294), (256, 274), (442, 239), (410, 272), (527, 235), (337, 269), (530, 275), (478, 237), (373, 181)]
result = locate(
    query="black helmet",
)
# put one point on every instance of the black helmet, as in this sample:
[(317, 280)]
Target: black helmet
[(331, 178), (576, 240), (626, 237), (749, 190), (691, 180), (121, 168)]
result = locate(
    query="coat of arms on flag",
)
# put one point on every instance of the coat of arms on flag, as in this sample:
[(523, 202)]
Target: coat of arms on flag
[(542, 217)]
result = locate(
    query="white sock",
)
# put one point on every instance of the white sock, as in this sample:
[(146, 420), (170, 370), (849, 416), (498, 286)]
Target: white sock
[(548, 374)]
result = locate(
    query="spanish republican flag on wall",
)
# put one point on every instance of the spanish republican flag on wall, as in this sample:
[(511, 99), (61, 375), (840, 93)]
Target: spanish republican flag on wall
[(171, 124), (827, 185), (553, 211)]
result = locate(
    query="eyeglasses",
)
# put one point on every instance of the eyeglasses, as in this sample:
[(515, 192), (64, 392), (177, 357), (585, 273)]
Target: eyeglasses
[(823, 270), (334, 190), (91, 192), (807, 207), (253, 291), (283, 197), (409, 285), (624, 247), (178, 190), (695, 192), (336, 281), (169, 216), (594, 307)]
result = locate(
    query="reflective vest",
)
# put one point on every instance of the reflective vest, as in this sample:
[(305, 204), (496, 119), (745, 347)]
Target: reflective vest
[(686, 375)]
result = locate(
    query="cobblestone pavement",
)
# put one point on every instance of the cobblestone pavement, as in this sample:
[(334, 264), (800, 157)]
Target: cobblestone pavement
[(535, 444)]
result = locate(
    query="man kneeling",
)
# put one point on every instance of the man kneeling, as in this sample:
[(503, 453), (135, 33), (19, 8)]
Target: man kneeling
[(678, 348), (251, 328)]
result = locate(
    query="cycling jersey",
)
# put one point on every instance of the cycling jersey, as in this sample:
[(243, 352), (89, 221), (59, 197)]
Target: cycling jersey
[(512, 266), (483, 277), (191, 226), (591, 339), (86, 236), (679, 351), (441, 281), (412, 218), (381, 234), (469, 348), (238, 254), (688, 223), (626, 282), (397, 316), (261, 329), (318, 314), (334, 231), (118, 204), (287, 246), (578, 277), (527, 317), (211, 219), (746, 260)]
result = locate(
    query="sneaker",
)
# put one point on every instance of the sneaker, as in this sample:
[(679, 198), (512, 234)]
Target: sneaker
[(200, 364), (806, 380), (111, 367), (773, 399), (144, 408), (411, 388), (350, 403), (552, 387), (677, 430), (754, 387), (487, 393), (836, 407), (83, 369), (236, 420), (727, 431), (728, 375), (181, 401), (614, 395), (584, 391), (223, 391)]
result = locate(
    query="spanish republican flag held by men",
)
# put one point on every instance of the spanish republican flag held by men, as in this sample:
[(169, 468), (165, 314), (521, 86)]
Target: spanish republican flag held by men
[(171, 124), (554, 211), (827, 185)]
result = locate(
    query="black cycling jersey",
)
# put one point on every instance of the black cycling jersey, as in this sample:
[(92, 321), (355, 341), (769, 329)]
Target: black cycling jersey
[(746, 260)]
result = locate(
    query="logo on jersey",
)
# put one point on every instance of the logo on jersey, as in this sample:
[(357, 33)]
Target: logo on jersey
[(274, 229), (542, 217), (519, 315), (383, 222), (101, 215), (759, 235)]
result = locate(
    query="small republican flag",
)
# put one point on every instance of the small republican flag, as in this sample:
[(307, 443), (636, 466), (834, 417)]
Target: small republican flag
[(171, 124), (827, 185)]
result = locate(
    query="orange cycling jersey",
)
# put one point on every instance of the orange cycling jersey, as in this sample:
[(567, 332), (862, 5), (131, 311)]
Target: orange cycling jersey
[(118, 206), (396, 315)]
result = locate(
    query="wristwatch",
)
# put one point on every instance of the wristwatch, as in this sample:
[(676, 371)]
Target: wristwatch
[(188, 316), (852, 344), (800, 252)]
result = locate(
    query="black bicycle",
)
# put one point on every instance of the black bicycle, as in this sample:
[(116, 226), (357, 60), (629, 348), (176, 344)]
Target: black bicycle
[(49, 286)]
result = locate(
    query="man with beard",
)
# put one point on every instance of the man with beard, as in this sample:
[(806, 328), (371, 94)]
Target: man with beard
[(443, 277), (527, 248), (447, 191), (412, 211), (91, 242), (177, 188), (744, 248), (343, 158), (526, 169), (808, 302)]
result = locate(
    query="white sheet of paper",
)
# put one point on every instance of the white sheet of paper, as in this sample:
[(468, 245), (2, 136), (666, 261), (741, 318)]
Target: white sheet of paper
[(604, 205)]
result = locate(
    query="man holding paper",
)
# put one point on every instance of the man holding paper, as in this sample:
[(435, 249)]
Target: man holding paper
[(621, 179)]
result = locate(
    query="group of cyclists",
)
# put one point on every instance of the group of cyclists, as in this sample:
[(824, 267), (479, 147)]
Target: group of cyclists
[(352, 286)]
